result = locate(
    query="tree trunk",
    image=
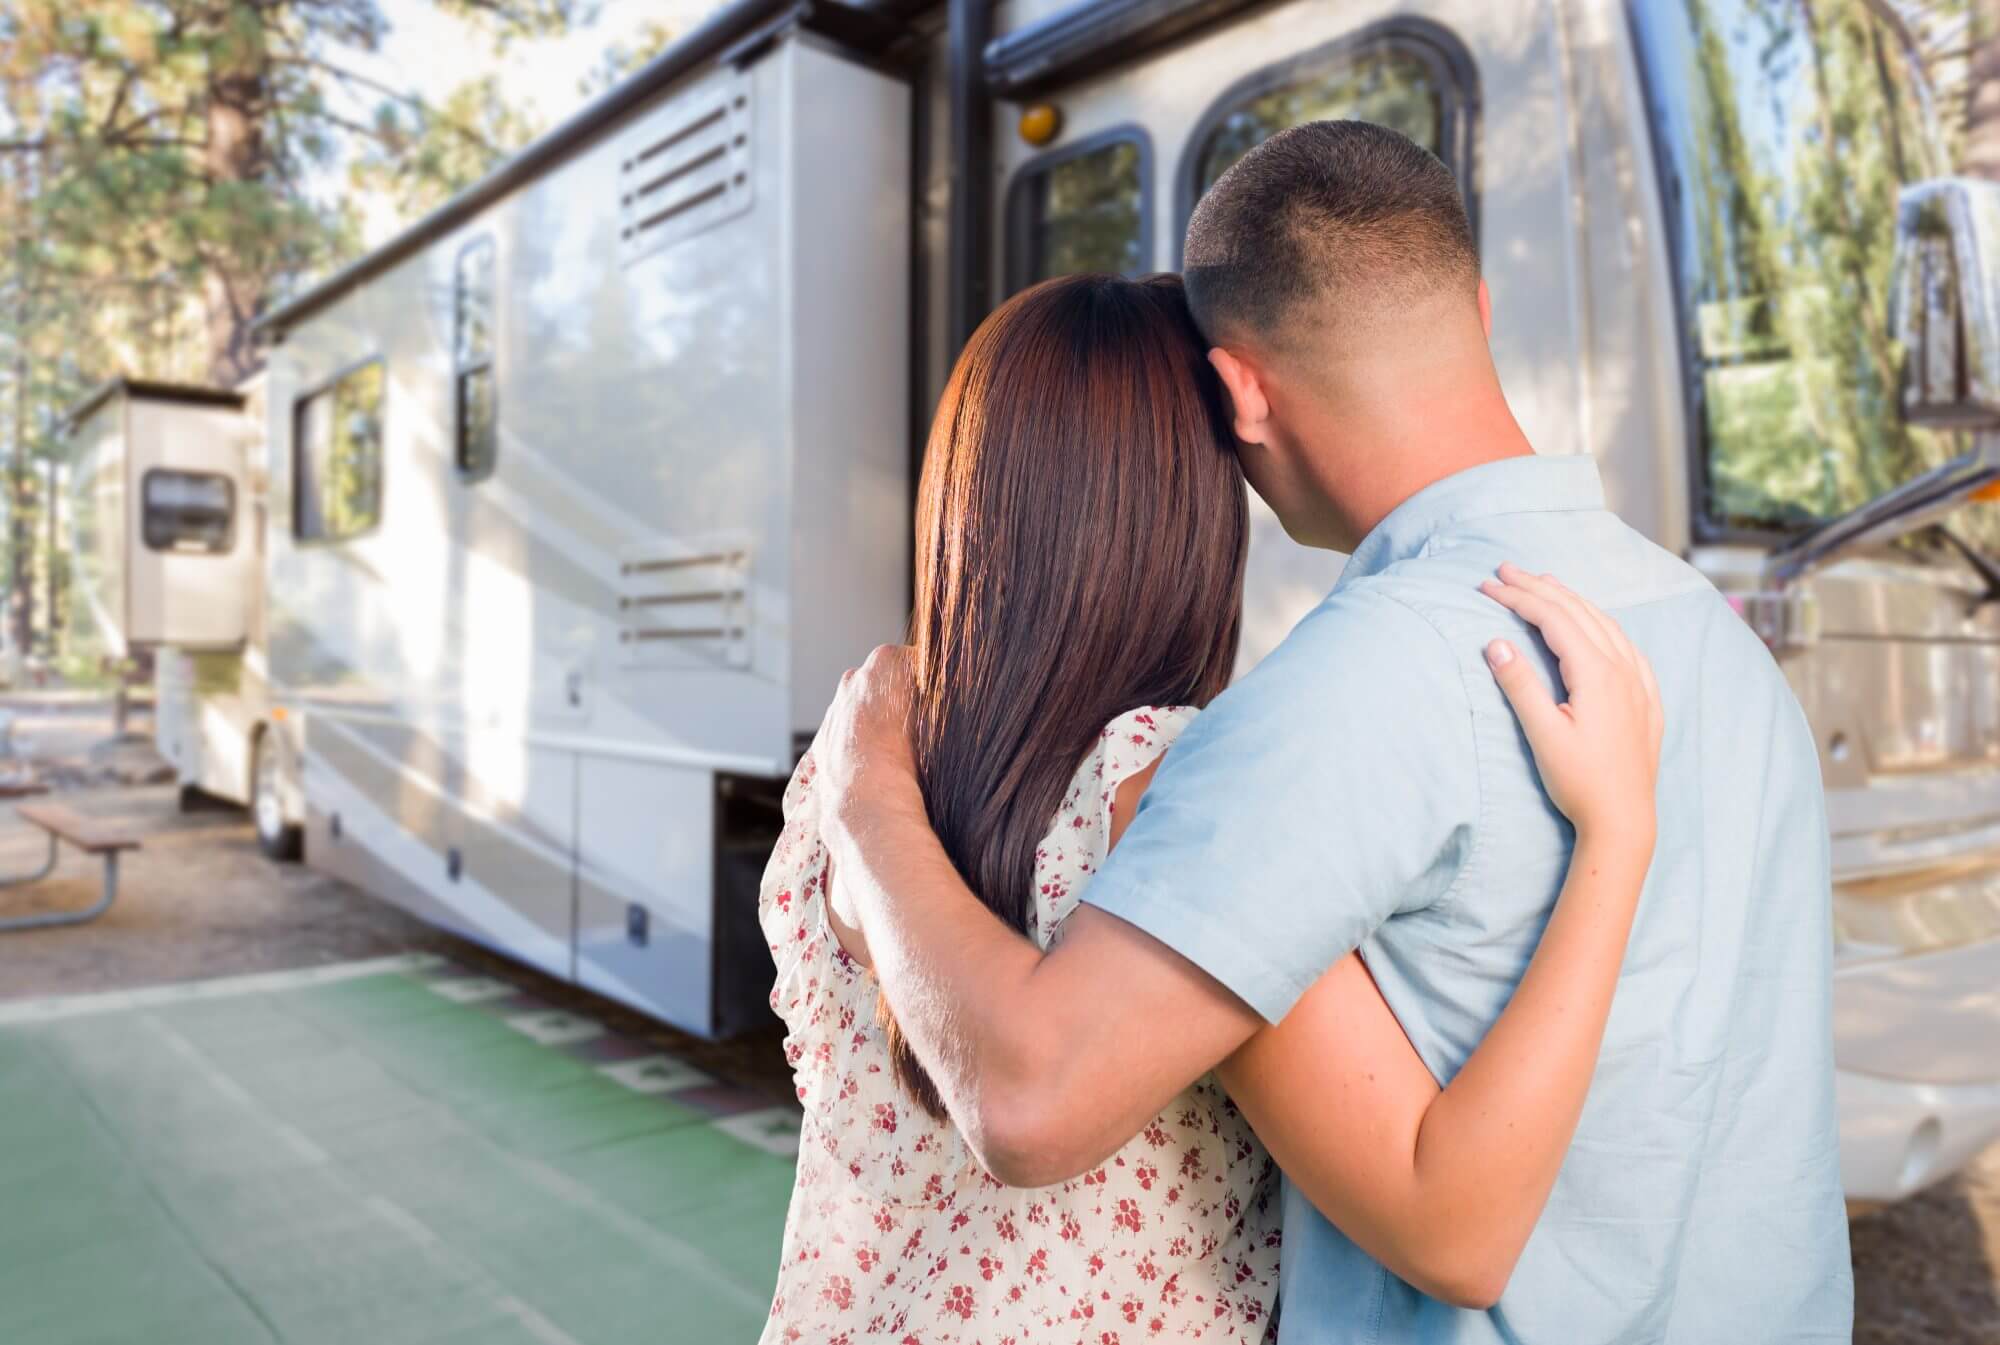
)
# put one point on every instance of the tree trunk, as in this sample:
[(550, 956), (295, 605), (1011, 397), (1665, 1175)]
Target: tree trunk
[(239, 103), (20, 579), (51, 618), (1982, 100)]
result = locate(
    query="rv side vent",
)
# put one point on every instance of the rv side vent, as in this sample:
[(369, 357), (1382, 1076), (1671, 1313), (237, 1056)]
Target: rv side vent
[(684, 168), (674, 609)]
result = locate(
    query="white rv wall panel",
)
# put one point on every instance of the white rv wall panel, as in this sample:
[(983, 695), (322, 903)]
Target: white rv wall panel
[(849, 258)]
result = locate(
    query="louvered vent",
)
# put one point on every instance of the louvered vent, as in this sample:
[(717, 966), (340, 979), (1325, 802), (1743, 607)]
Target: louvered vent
[(684, 168), (671, 607)]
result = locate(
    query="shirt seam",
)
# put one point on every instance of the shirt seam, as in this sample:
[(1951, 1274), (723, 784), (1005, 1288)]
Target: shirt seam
[(1476, 849), (1436, 526)]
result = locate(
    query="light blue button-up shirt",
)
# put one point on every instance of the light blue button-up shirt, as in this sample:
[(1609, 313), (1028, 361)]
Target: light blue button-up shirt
[(1367, 786)]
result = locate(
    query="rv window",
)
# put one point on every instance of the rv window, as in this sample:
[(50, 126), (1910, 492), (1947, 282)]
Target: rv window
[(1390, 80), (1785, 132), (187, 511), (337, 490), (475, 394), (1081, 209)]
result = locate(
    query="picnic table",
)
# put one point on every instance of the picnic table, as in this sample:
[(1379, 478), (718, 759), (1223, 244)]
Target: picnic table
[(93, 836)]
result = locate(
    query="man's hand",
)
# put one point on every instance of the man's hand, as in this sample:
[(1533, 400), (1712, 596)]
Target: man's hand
[(866, 768)]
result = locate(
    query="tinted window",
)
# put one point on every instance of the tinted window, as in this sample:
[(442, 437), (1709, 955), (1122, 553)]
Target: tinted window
[(476, 398), (1081, 212), (187, 511), (1785, 131), (1388, 81), (338, 458)]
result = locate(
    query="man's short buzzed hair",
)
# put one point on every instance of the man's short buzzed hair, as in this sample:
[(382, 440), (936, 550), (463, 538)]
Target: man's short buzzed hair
[(1327, 221)]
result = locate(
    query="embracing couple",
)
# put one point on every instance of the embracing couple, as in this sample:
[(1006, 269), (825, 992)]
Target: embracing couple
[(1491, 909)]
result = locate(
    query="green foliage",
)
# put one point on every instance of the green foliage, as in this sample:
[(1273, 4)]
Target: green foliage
[(622, 58), (157, 154), (422, 154)]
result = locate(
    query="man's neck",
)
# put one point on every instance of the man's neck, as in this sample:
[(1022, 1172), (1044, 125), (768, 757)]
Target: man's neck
[(1413, 463)]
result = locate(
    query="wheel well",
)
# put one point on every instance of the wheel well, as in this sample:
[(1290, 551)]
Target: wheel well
[(257, 733)]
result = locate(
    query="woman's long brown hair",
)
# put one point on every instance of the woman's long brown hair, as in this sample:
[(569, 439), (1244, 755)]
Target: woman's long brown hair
[(1081, 528)]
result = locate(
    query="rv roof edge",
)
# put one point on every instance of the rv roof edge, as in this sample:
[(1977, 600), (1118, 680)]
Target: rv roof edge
[(711, 40), (192, 393), (1090, 36)]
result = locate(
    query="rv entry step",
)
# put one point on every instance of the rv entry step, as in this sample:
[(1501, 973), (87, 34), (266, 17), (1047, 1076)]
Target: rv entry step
[(90, 835)]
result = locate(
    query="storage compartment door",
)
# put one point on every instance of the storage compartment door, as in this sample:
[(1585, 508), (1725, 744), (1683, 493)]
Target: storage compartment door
[(190, 557), (470, 835), (645, 887)]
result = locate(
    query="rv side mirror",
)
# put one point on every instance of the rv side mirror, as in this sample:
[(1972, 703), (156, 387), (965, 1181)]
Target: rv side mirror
[(1945, 302)]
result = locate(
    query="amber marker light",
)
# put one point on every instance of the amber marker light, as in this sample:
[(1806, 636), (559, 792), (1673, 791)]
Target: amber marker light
[(1040, 123)]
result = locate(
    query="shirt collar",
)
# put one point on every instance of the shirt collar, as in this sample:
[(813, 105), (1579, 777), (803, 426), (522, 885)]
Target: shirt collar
[(1530, 484)]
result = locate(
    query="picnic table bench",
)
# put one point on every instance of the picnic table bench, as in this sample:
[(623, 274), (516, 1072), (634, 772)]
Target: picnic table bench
[(93, 836)]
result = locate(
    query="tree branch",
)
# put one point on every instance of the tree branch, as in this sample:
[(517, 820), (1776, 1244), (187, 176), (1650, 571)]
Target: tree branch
[(352, 78)]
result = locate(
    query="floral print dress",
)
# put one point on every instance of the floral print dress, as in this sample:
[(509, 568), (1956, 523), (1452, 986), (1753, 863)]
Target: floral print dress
[(895, 1232)]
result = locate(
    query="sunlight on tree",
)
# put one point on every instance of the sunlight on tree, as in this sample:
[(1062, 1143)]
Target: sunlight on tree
[(158, 165)]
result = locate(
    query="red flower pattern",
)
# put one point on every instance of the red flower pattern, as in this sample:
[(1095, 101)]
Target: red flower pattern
[(1176, 1236)]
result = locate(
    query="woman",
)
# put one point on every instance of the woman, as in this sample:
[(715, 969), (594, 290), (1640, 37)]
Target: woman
[(1081, 535)]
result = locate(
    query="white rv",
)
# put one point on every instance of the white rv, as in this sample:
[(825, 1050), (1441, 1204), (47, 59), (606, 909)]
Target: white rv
[(166, 490), (585, 488)]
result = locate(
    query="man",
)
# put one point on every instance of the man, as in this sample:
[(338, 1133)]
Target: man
[(1366, 786)]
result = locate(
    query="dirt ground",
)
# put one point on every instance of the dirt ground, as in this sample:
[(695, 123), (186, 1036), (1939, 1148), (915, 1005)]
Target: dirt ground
[(201, 901)]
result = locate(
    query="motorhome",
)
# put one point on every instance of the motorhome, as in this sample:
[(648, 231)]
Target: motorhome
[(585, 487), (166, 506)]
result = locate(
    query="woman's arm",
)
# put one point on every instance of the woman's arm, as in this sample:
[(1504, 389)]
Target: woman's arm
[(1444, 1187)]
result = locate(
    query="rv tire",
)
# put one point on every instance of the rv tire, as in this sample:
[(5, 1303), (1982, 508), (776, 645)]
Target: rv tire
[(277, 838)]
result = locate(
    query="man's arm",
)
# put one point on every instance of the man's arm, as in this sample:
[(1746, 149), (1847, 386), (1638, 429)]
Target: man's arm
[(1332, 787), (1048, 1062)]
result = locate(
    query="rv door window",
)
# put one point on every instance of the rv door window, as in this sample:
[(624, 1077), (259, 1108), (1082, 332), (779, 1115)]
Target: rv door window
[(475, 393), (1785, 131), (187, 511), (337, 447), (1395, 79), (1081, 209)]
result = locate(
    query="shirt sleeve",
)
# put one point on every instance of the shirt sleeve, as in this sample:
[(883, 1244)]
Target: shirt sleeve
[(1334, 786)]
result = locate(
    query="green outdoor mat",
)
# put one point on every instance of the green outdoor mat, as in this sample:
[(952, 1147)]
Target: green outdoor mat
[(373, 1154)]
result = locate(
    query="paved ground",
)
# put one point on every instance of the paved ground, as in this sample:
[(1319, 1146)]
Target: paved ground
[(200, 902), (418, 1154)]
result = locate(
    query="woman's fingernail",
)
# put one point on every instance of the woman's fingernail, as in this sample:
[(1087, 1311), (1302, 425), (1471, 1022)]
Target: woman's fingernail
[(1499, 654)]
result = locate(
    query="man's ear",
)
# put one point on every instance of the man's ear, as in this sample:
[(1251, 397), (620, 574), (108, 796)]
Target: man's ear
[(1485, 309), (1250, 409)]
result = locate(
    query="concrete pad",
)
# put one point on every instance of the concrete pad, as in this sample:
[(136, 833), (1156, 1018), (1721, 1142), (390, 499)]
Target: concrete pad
[(366, 1160)]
